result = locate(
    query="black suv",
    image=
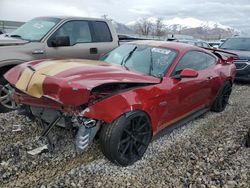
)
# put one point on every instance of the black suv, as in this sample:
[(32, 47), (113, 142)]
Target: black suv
[(240, 46)]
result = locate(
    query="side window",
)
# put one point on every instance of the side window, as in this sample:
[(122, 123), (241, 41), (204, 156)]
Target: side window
[(210, 60), (100, 32), (77, 31), (198, 44), (194, 60), (205, 45)]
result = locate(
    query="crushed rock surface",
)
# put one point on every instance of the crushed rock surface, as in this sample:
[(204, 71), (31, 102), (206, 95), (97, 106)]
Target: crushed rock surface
[(208, 152)]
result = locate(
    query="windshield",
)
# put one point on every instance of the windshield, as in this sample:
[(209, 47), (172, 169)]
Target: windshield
[(237, 44), (148, 60), (35, 29)]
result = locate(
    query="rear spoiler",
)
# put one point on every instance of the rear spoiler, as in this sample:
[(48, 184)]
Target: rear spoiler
[(227, 57)]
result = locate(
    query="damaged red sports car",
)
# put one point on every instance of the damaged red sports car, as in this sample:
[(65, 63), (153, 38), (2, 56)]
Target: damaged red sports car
[(128, 97)]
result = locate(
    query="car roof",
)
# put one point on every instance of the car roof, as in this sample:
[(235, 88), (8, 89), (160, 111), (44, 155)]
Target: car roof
[(178, 46), (73, 18)]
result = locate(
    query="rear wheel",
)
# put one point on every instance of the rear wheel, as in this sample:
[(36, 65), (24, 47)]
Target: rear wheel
[(7, 102), (222, 98), (125, 140)]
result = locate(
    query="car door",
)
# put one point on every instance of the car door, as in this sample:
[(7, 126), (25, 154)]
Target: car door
[(211, 70), (85, 42), (188, 94)]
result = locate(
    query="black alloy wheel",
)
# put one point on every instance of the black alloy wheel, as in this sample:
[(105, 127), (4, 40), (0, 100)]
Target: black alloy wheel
[(225, 95), (129, 138), (222, 98)]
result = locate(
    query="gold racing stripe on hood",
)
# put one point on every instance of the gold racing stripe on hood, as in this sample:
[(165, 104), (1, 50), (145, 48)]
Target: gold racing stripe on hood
[(31, 82), (24, 79)]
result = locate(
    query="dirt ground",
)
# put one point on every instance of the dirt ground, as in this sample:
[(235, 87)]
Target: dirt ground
[(207, 152)]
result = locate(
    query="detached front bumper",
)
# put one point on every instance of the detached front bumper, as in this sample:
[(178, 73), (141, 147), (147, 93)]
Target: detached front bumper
[(43, 102)]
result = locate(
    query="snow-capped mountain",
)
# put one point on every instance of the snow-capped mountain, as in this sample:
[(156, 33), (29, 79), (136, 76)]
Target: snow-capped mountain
[(190, 26)]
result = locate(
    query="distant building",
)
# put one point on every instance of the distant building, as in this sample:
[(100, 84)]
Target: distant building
[(9, 26)]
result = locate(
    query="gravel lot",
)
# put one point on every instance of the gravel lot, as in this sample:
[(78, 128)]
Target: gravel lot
[(207, 152)]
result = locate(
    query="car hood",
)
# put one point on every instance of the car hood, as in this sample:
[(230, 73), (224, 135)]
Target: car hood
[(73, 78), (8, 41)]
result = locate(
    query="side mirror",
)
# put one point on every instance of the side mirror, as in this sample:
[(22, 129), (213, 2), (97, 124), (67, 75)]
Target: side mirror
[(187, 73), (60, 41)]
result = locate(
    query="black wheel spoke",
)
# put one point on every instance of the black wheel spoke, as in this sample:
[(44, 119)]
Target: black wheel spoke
[(136, 149), (130, 150), (125, 149), (141, 127), (143, 133), (141, 142), (133, 124), (139, 121), (127, 132), (125, 140)]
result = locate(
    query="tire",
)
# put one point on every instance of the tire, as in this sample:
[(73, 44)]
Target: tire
[(3, 108), (222, 98), (125, 140)]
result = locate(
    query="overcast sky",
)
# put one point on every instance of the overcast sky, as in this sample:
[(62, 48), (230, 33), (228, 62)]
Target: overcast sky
[(234, 13)]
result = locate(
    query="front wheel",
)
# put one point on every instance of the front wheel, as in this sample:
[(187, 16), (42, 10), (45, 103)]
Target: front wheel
[(126, 139), (221, 100), (7, 102)]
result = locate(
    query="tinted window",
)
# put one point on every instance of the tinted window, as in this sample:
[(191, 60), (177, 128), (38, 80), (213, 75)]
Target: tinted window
[(101, 32), (77, 31), (195, 60), (237, 44)]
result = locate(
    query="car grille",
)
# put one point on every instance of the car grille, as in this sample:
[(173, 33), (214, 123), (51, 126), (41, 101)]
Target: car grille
[(241, 64)]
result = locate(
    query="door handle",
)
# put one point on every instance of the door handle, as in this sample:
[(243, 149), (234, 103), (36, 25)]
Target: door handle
[(93, 50), (38, 52)]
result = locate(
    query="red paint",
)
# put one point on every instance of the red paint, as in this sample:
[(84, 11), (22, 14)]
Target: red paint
[(189, 73), (164, 101)]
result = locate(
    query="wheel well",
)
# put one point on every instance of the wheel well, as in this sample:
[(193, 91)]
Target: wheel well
[(127, 114)]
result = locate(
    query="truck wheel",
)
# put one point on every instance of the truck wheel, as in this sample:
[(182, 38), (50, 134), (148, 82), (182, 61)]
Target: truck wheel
[(6, 101), (221, 100), (126, 139)]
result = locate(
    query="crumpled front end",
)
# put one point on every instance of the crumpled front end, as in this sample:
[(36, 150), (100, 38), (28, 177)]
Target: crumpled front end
[(40, 85), (61, 92)]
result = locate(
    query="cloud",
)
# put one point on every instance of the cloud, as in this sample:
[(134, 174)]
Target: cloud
[(139, 11), (233, 13)]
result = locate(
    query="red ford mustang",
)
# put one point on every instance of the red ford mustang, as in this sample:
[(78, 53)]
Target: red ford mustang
[(136, 91)]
